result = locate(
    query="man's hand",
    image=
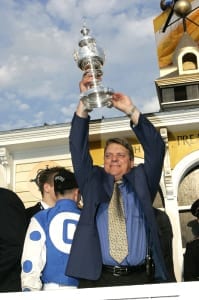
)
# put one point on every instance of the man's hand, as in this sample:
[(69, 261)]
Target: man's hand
[(122, 102), (125, 104), (84, 85), (86, 81)]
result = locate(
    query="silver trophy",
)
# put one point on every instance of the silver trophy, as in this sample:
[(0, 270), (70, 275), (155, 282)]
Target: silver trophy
[(90, 59)]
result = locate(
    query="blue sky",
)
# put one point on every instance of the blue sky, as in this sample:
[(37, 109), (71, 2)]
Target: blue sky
[(38, 75)]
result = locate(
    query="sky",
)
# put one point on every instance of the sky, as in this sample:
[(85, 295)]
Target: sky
[(39, 78)]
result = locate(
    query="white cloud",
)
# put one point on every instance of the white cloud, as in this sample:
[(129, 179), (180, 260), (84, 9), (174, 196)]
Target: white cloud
[(6, 75), (152, 105), (37, 69)]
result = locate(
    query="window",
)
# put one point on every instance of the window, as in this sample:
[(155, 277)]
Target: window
[(180, 93), (189, 62)]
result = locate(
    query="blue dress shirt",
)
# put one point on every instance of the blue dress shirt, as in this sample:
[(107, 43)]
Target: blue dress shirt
[(136, 229)]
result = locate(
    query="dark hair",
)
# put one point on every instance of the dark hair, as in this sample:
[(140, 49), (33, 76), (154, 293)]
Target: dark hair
[(64, 180), (123, 142), (195, 209), (46, 176)]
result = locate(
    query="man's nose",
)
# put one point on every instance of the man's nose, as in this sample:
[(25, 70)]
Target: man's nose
[(114, 157)]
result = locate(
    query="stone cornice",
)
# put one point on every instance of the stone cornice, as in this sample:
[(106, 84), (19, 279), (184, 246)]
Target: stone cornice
[(55, 134)]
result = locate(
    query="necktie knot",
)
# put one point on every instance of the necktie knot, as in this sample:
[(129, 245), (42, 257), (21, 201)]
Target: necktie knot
[(118, 201), (118, 182)]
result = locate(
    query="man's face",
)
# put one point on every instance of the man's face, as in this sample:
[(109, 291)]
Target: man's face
[(117, 161)]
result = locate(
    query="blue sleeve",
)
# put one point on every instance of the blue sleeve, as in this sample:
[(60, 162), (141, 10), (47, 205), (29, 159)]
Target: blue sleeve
[(154, 151)]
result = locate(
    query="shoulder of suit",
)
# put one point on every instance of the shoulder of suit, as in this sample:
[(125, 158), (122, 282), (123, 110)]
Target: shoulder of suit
[(37, 205), (193, 241)]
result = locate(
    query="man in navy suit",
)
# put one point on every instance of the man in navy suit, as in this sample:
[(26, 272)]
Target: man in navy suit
[(90, 259)]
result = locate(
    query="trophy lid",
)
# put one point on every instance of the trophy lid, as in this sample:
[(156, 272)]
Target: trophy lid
[(87, 39), (89, 52)]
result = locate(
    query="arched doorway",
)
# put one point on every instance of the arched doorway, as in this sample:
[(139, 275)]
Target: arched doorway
[(188, 192)]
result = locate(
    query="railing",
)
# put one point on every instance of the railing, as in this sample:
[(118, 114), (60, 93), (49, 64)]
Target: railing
[(165, 291)]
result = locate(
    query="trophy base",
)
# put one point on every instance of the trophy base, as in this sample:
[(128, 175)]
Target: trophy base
[(97, 97)]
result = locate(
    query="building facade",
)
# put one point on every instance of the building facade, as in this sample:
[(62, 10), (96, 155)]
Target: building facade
[(23, 152)]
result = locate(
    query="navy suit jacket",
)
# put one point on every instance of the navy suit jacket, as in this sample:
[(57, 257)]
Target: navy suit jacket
[(32, 210), (96, 186)]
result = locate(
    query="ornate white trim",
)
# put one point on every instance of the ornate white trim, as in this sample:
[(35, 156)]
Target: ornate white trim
[(167, 174), (4, 156)]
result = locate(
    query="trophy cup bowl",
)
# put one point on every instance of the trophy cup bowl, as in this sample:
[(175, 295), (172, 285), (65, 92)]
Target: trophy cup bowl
[(90, 59)]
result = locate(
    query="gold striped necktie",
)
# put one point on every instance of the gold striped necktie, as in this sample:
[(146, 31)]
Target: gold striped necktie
[(118, 245)]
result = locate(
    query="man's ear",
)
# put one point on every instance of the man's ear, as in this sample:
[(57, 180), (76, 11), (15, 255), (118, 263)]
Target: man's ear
[(47, 187)]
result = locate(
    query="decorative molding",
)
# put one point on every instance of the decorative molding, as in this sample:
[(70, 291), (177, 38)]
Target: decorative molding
[(167, 173), (53, 135), (4, 156)]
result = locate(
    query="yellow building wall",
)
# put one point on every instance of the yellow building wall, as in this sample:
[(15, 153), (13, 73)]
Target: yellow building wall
[(27, 190), (181, 144)]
